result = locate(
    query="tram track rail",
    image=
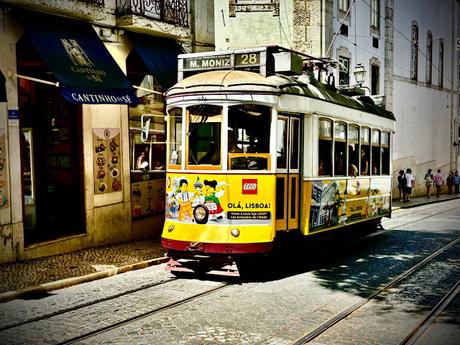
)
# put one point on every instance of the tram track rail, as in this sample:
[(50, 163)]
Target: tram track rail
[(348, 311), (85, 305), (421, 328), (142, 316)]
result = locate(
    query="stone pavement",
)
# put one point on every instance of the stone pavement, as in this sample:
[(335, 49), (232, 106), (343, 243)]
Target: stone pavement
[(55, 272)]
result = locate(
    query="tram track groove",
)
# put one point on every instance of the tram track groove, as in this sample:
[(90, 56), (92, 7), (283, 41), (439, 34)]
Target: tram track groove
[(432, 316), (345, 313), (85, 305), (142, 316)]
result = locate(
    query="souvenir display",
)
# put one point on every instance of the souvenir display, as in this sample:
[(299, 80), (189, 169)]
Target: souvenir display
[(107, 162)]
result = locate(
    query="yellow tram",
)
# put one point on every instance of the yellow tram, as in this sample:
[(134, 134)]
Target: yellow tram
[(256, 147)]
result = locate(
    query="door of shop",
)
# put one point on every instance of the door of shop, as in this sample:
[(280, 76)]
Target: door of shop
[(51, 151)]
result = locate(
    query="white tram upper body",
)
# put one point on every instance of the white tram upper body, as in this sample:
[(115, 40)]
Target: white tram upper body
[(252, 154)]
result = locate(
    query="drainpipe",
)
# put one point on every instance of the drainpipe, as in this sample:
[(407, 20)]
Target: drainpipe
[(453, 120)]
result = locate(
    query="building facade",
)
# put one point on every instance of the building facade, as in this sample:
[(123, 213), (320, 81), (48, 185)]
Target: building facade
[(422, 88), (405, 47), (77, 76)]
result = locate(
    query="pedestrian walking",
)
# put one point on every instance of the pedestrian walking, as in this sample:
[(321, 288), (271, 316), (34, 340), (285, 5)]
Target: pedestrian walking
[(401, 184), (410, 183), (438, 182), (450, 182), (457, 182), (428, 182)]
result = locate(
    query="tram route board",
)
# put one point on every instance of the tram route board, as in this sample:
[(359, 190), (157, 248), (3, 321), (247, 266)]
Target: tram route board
[(254, 59)]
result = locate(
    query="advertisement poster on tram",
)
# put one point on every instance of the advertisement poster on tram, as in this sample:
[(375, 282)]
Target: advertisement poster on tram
[(340, 202), (224, 199)]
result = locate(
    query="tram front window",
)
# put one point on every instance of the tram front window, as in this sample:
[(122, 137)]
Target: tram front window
[(249, 137), (204, 129)]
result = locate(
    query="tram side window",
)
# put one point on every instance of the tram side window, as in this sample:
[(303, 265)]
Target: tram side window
[(340, 150), (281, 143), (365, 151), (385, 153), (204, 128), (353, 150), (375, 152), (175, 136), (325, 148), (249, 136)]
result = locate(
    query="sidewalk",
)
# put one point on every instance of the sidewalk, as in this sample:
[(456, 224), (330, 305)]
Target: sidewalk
[(50, 273)]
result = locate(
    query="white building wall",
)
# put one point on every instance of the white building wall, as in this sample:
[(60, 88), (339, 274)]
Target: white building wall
[(425, 121)]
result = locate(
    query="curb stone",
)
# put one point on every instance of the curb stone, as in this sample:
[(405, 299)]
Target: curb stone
[(67, 282)]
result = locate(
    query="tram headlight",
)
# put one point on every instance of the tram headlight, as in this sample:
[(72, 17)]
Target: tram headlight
[(235, 232)]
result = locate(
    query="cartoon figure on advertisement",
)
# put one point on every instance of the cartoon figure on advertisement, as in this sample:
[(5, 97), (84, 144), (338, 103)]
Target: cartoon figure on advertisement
[(199, 197), (212, 201), (172, 206), (184, 197)]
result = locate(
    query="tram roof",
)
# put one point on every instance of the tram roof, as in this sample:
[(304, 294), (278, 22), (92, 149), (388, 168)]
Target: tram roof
[(305, 85)]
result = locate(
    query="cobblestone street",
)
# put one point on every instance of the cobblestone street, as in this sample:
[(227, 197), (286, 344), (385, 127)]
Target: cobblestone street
[(279, 307)]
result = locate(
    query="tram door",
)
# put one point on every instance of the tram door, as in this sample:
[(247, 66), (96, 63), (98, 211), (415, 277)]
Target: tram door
[(288, 172)]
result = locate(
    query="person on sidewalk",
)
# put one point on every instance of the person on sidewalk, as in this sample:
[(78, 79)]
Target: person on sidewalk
[(457, 182), (428, 182), (401, 184), (438, 182), (450, 182), (410, 183)]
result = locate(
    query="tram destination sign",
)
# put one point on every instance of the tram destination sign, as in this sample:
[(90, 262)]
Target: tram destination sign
[(221, 61)]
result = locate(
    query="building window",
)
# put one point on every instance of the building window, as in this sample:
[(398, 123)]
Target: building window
[(429, 58), (375, 14), (375, 79), (414, 53), (344, 68), (441, 63), (343, 5)]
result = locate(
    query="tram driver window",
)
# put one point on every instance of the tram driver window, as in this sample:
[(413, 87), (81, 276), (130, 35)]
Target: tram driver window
[(340, 151), (249, 136), (325, 148), (204, 129)]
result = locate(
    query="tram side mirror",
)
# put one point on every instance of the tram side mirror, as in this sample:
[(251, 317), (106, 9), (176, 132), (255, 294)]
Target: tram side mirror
[(145, 128)]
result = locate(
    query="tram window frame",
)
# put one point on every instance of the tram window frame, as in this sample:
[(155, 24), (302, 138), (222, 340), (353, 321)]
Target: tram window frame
[(325, 147), (353, 149), (375, 152), (175, 147), (207, 121), (364, 159), (340, 148), (385, 151)]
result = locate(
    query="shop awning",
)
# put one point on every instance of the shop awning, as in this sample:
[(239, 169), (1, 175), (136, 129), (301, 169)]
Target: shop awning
[(2, 88), (159, 55), (83, 66)]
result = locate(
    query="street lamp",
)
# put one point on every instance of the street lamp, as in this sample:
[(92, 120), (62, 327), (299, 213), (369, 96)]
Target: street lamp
[(359, 73)]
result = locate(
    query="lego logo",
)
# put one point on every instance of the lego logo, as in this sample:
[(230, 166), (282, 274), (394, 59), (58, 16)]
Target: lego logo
[(250, 186)]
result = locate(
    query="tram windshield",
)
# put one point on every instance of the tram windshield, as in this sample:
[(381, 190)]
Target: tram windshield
[(249, 137), (204, 133)]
